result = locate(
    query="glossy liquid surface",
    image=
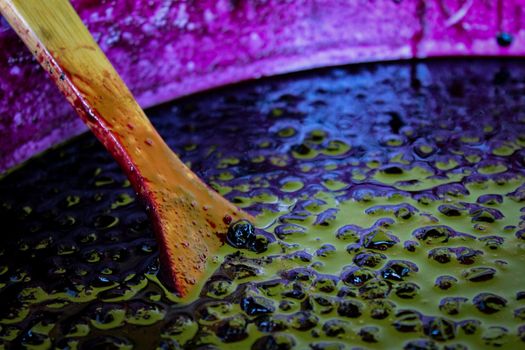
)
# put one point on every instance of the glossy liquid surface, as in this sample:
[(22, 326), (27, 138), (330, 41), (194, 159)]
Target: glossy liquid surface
[(392, 196)]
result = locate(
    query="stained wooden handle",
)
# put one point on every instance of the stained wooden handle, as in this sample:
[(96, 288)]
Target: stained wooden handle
[(55, 34), (187, 215)]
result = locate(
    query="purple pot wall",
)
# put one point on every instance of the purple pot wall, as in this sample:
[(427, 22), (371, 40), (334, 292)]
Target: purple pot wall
[(164, 49)]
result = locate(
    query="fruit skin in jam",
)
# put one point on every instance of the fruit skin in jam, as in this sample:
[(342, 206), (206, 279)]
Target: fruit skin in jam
[(387, 215)]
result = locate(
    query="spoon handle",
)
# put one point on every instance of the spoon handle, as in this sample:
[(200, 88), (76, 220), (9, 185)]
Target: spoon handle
[(64, 47)]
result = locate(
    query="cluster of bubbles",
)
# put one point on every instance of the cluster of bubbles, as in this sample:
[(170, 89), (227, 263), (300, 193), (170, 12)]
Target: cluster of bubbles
[(389, 213)]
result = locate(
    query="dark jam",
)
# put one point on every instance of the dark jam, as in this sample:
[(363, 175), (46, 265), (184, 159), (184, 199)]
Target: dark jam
[(388, 215)]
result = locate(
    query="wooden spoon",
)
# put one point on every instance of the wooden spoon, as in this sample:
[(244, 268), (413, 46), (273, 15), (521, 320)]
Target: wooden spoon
[(189, 218)]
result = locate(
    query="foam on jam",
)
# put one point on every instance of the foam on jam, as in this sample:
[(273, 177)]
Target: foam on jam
[(390, 196)]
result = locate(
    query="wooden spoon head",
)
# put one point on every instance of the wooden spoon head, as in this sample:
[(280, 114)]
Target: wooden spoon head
[(191, 224)]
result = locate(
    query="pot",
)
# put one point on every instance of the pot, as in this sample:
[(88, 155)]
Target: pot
[(165, 50)]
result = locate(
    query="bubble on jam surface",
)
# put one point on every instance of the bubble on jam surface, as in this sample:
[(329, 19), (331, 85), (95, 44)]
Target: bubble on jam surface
[(240, 234), (385, 217)]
